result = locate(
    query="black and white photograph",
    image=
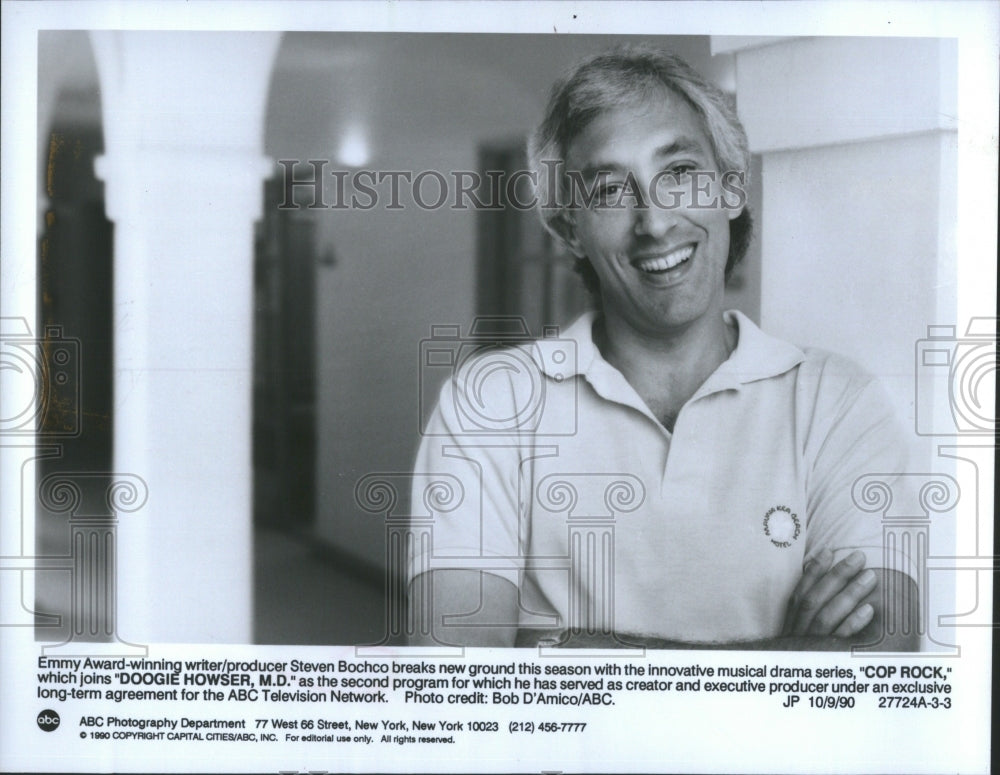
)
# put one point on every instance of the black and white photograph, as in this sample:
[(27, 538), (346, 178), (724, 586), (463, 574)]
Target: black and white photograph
[(465, 386)]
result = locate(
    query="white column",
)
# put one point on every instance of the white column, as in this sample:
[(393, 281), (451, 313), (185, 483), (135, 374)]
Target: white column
[(858, 139), (20, 377), (183, 128)]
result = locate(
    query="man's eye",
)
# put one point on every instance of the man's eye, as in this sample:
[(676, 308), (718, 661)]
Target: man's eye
[(610, 193), (676, 174)]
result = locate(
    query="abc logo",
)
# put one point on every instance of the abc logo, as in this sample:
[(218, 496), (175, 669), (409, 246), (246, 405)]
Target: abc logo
[(48, 721)]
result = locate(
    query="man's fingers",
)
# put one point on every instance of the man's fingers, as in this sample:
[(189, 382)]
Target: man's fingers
[(823, 591), (856, 622), (829, 618), (812, 573)]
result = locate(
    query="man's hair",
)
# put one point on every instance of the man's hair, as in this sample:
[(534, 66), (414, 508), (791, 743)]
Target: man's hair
[(623, 77)]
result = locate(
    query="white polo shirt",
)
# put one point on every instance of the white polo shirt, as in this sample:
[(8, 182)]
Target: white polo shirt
[(569, 487)]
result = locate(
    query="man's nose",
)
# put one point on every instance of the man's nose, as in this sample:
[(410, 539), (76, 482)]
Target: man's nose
[(651, 219)]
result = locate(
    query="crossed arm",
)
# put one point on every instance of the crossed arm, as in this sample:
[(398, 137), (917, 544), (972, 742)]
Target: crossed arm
[(833, 607)]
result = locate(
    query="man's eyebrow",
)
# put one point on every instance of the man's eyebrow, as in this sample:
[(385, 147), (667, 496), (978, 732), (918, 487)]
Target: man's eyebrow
[(596, 168), (680, 145)]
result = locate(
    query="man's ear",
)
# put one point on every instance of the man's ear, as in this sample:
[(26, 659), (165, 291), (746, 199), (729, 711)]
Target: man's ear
[(564, 228), (739, 191)]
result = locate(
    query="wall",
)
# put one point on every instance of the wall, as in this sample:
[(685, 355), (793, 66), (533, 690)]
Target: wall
[(854, 267)]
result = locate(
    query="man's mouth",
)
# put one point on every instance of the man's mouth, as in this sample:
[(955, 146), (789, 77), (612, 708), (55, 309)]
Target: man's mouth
[(666, 262)]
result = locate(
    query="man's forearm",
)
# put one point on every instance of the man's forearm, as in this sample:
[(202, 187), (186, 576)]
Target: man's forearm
[(792, 643), (864, 640)]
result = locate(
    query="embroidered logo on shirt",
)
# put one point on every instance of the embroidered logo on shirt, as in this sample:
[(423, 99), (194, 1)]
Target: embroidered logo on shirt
[(782, 526)]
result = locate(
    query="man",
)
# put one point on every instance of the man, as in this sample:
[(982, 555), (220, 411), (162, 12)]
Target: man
[(719, 461)]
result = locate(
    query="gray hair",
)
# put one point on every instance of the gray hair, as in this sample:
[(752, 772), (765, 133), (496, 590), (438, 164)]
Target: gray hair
[(623, 77)]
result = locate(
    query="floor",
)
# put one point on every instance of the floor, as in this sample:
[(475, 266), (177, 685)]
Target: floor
[(306, 596), (303, 594)]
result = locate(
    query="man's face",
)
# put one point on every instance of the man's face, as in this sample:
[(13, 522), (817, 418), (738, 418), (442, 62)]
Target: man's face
[(661, 261)]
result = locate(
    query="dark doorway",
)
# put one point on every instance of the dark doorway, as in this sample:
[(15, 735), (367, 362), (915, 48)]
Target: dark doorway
[(521, 271), (284, 386), (75, 330)]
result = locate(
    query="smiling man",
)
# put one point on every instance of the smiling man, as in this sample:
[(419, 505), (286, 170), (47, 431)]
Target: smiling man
[(719, 461)]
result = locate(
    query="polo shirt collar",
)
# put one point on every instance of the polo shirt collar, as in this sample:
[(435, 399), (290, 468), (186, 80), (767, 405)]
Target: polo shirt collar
[(757, 356)]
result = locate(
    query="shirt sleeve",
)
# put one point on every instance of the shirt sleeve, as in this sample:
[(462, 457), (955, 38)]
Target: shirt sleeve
[(479, 529), (855, 436)]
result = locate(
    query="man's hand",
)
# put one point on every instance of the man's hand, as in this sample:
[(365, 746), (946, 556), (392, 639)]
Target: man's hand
[(831, 601)]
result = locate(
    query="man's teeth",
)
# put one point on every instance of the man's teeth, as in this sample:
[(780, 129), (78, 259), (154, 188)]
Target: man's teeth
[(669, 261)]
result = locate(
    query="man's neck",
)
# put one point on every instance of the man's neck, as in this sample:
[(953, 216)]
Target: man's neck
[(666, 368)]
